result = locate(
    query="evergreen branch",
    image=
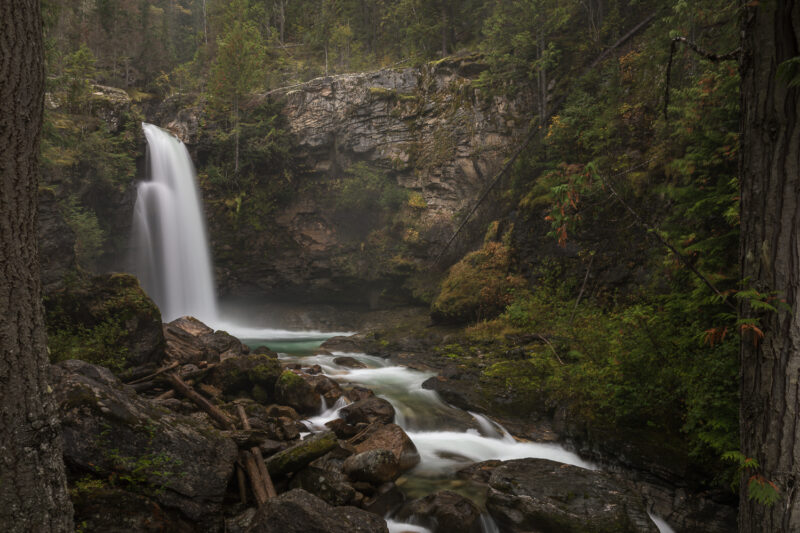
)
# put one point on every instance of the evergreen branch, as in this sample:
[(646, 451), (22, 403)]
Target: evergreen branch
[(654, 231), (533, 132), (733, 54)]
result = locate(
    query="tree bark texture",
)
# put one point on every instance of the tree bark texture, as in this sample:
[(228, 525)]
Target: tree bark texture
[(33, 488), (770, 261)]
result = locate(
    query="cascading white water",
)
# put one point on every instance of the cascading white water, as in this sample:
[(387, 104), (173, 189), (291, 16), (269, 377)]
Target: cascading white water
[(169, 245)]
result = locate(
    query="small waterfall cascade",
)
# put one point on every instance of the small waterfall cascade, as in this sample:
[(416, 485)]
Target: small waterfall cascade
[(169, 243)]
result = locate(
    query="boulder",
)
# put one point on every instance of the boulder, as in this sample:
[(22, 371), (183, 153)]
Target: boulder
[(253, 375), (99, 507), (114, 434), (294, 390), (373, 466), (367, 411), (325, 387), (388, 437), (106, 320), (540, 495), (298, 456), (331, 486), (358, 393), (191, 341), (385, 499), (443, 512), (349, 362), (297, 511)]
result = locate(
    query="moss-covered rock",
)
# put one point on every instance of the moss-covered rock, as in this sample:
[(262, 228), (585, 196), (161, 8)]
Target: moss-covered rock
[(291, 389), (253, 374), (479, 286), (106, 320)]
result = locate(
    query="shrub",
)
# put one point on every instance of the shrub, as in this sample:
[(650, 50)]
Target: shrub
[(479, 286)]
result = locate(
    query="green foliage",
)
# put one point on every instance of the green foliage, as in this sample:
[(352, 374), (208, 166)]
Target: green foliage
[(89, 236), (479, 286), (96, 320), (365, 189), (237, 67), (789, 72), (79, 70), (759, 488)]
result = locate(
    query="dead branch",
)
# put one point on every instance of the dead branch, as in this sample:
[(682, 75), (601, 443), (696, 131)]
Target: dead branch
[(263, 474), (214, 412), (154, 374)]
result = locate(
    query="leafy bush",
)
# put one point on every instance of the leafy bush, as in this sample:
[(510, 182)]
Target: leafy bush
[(479, 286)]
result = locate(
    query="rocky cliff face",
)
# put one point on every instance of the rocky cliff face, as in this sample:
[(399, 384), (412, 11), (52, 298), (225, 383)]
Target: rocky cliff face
[(428, 131), (384, 165)]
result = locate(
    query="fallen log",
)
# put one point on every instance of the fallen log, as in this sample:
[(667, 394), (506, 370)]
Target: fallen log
[(262, 468), (214, 412), (256, 482), (158, 372)]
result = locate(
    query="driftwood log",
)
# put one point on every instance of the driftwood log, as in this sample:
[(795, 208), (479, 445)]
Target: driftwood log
[(214, 412), (261, 476)]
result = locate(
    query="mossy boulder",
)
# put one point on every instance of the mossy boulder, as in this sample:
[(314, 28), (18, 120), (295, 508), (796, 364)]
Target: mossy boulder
[(293, 390), (479, 286), (106, 320), (254, 375)]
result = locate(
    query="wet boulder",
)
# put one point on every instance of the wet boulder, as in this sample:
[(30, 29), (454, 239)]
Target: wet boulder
[(349, 362), (93, 499), (112, 433), (293, 390), (373, 466), (443, 512), (253, 375), (388, 437), (385, 499), (331, 486), (298, 511), (325, 387), (367, 411), (540, 495), (301, 454)]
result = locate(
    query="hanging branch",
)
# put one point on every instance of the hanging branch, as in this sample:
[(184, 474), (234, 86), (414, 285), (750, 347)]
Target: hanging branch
[(534, 130), (733, 54), (654, 231)]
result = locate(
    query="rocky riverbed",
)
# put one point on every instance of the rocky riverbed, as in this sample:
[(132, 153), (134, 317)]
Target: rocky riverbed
[(142, 456)]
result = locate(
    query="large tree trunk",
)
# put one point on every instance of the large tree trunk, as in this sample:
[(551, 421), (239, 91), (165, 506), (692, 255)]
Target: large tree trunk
[(33, 489), (770, 262)]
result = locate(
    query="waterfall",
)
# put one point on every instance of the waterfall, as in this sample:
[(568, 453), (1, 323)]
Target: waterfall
[(169, 244)]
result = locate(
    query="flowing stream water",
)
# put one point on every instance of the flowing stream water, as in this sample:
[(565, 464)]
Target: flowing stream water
[(446, 437), (172, 260)]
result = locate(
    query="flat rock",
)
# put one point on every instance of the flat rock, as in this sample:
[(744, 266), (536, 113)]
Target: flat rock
[(298, 511), (539, 495)]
